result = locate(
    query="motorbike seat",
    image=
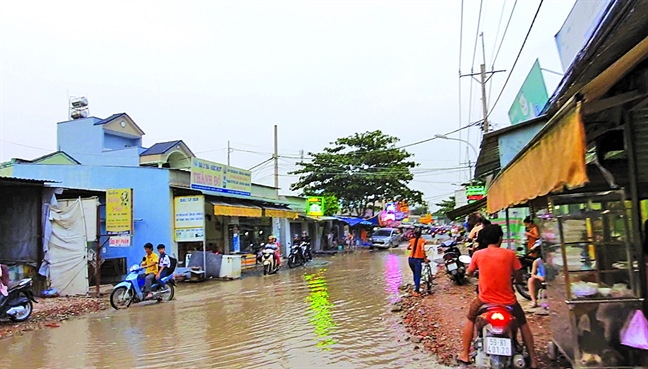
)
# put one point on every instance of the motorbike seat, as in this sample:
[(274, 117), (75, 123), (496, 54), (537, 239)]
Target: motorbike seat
[(488, 307)]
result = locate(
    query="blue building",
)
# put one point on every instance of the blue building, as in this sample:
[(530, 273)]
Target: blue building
[(95, 155)]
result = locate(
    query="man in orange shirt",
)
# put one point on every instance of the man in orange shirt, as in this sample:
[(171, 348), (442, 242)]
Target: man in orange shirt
[(416, 259), (496, 265)]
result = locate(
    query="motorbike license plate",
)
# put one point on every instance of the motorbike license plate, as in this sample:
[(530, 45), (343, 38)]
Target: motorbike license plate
[(498, 346), (452, 267)]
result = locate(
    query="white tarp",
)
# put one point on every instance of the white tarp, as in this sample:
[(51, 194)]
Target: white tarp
[(67, 256)]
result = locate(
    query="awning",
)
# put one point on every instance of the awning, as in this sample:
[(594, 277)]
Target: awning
[(354, 221), (279, 212), (553, 160), (466, 209), (235, 209), (309, 218)]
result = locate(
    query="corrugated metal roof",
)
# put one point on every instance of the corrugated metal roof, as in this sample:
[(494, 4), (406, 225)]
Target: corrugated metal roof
[(18, 181)]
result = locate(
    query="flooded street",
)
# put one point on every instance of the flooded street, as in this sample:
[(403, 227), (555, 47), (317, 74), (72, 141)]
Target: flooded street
[(334, 314)]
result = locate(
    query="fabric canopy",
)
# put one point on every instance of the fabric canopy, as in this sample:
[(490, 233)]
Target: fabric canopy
[(354, 221), (236, 210), (280, 213), (554, 159)]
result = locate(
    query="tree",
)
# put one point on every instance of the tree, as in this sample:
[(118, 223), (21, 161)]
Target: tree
[(331, 205), (360, 170), (445, 206), (420, 210)]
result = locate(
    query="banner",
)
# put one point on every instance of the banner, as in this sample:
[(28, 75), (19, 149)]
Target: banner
[(119, 211), (215, 177), (315, 206), (531, 98), (189, 219), (119, 241)]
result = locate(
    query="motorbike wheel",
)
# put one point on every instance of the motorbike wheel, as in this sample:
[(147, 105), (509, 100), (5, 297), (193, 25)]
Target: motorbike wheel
[(523, 289), (498, 362), (266, 269), (169, 295), (29, 308), (459, 279), (292, 262), (120, 298)]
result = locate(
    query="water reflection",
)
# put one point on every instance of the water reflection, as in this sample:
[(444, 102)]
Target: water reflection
[(320, 308), (393, 276)]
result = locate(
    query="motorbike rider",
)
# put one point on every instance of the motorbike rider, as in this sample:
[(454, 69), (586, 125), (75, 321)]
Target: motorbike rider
[(305, 237), (532, 232), (296, 239), (472, 237), (164, 263), (495, 268), (150, 262), (274, 245)]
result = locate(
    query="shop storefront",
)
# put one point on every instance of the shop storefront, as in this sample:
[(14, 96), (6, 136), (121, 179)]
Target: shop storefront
[(585, 179)]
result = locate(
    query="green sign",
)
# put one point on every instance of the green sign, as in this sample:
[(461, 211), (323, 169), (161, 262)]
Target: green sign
[(315, 206), (532, 97), (475, 193)]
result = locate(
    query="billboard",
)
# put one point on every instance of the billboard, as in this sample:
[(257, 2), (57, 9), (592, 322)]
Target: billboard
[(531, 98), (315, 206), (215, 177), (579, 26), (475, 193), (189, 218), (119, 211)]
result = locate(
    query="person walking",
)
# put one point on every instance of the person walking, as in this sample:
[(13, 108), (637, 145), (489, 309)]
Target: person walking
[(416, 259)]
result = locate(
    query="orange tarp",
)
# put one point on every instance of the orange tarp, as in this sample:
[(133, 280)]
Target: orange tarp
[(556, 160)]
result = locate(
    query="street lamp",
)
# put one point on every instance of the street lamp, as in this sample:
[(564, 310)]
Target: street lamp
[(444, 137)]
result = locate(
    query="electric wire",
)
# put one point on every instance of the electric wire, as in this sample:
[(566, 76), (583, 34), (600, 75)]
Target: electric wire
[(459, 78), (516, 59)]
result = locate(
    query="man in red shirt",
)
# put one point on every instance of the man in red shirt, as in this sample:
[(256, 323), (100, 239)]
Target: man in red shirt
[(496, 266)]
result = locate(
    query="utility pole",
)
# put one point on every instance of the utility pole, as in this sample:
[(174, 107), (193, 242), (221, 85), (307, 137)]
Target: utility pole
[(301, 155), (482, 81), (276, 158), (229, 151)]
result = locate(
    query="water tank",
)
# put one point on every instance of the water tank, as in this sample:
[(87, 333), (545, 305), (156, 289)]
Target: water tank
[(78, 114), (79, 102)]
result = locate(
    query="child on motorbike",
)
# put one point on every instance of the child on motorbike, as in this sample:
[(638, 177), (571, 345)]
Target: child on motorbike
[(164, 263)]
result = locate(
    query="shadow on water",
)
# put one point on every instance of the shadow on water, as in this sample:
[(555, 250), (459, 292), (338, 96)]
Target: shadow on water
[(331, 314)]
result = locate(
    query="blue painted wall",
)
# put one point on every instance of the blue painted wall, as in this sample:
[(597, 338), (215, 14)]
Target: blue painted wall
[(86, 142), (152, 199), (511, 143)]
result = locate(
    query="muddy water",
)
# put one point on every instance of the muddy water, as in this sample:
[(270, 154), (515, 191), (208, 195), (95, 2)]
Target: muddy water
[(333, 314)]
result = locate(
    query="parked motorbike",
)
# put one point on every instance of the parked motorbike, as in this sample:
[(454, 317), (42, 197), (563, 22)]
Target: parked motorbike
[(295, 257), (17, 305), (496, 344), (130, 290), (455, 263), (269, 261)]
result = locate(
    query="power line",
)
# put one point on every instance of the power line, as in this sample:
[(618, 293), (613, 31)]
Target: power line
[(459, 79), (516, 58), (499, 24), (481, 3)]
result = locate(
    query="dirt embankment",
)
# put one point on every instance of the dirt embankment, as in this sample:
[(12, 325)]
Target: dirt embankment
[(51, 312), (434, 322)]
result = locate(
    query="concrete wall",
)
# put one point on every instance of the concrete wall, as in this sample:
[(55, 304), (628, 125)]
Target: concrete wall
[(264, 191), (152, 200), (128, 157), (113, 142)]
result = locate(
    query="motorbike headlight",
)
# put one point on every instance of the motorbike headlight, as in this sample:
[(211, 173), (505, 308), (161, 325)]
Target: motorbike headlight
[(134, 268)]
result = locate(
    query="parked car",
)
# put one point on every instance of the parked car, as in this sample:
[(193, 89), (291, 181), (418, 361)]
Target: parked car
[(385, 238)]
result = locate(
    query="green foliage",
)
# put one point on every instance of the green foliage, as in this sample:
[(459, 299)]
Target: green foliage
[(360, 170), (331, 205), (420, 210), (445, 206)]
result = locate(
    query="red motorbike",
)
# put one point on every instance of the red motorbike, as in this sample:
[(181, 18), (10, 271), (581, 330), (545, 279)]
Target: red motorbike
[(496, 340)]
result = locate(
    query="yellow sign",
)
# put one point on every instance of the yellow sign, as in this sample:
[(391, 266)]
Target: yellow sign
[(237, 211), (215, 177), (278, 213), (119, 211)]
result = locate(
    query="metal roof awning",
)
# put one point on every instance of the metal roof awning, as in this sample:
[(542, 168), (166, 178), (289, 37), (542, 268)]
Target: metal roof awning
[(275, 211), (467, 209)]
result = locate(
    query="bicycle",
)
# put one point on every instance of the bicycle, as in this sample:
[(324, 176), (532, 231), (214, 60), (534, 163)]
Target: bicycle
[(426, 277)]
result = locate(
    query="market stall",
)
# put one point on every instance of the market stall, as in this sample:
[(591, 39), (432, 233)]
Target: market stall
[(592, 277)]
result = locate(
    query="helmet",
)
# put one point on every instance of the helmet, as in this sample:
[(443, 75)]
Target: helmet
[(272, 237)]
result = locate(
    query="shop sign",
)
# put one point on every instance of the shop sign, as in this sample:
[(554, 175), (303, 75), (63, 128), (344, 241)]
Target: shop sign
[(315, 206), (215, 177), (531, 98), (119, 241), (119, 211), (581, 23), (475, 193), (190, 234), (189, 211)]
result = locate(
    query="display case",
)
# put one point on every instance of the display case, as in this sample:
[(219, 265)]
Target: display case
[(592, 276)]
